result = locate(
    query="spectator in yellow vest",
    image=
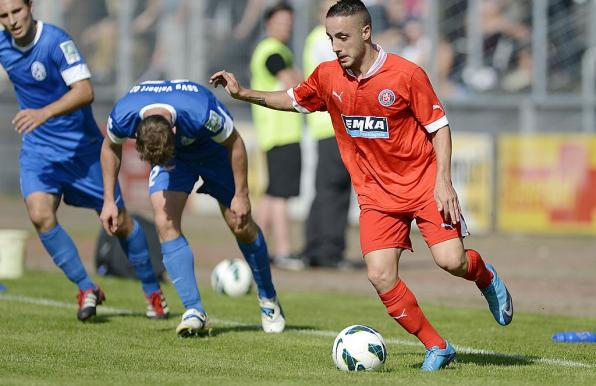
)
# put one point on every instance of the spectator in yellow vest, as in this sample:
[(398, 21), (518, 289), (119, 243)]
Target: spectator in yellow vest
[(279, 133)]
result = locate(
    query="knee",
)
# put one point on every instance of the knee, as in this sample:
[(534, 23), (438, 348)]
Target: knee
[(382, 279), (247, 234), (126, 226), (42, 218), (452, 261), (165, 228)]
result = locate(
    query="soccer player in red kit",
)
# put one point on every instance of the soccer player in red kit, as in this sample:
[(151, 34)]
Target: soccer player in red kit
[(395, 141)]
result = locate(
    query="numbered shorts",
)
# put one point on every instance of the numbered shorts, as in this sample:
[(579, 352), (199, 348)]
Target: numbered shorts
[(382, 230), (77, 179), (216, 174)]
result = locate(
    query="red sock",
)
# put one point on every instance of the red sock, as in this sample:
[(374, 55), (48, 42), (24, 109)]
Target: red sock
[(477, 271), (401, 304)]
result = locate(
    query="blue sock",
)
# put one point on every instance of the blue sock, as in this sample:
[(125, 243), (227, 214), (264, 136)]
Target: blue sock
[(179, 262), (257, 257), (137, 250), (65, 255)]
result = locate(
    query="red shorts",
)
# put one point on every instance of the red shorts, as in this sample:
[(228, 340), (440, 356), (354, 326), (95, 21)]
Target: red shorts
[(382, 230)]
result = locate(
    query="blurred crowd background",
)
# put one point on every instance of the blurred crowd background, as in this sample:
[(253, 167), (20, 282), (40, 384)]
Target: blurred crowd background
[(517, 78)]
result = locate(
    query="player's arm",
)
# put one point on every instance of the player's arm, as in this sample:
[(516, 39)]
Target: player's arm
[(240, 205), (79, 95), (277, 100), (111, 158), (445, 194)]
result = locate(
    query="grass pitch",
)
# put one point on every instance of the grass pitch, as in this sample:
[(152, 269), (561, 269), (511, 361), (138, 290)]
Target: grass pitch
[(42, 342)]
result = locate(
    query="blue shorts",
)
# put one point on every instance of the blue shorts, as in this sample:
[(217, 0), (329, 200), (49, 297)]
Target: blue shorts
[(216, 173), (78, 180)]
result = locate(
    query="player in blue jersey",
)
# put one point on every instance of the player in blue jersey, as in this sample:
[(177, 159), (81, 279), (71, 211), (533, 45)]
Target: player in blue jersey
[(186, 133), (61, 148)]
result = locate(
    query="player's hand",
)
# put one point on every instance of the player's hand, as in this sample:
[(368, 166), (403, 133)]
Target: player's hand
[(28, 120), (446, 199), (240, 208), (227, 80), (109, 217)]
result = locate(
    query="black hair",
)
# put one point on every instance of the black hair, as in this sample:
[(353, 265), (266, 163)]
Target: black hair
[(350, 8), (281, 6)]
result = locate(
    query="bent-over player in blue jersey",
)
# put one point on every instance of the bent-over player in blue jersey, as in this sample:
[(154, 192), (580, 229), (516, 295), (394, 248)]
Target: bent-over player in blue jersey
[(186, 133), (61, 148)]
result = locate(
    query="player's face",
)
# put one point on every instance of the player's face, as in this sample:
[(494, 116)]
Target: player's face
[(348, 37), (16, 17), (280, 25)]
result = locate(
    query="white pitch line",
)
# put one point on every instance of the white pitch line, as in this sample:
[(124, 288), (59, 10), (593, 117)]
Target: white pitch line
[(103, 310)]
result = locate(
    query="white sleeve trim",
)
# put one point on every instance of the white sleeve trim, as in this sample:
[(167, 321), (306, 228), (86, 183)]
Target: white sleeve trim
[(113, 137), (295, 104), (436, 125), (117, 140), (76, 73), (227, 129)]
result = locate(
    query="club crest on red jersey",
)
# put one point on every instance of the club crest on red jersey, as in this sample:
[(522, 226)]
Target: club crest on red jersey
[(386, 97)]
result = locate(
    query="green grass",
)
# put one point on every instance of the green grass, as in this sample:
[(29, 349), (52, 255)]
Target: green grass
[(43, 344)]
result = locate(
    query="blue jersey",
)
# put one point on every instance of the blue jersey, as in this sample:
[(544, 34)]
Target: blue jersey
[(202, 122), (41, 73)]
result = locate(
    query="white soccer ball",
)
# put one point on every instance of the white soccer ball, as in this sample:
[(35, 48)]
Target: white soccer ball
[(232, 277), (359, 348)]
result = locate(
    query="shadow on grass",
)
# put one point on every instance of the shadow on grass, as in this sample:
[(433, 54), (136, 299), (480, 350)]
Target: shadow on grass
[(489, 359), (219, 330)]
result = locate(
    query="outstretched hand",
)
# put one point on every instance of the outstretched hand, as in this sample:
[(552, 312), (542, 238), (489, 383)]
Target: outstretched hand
[(227, 80)]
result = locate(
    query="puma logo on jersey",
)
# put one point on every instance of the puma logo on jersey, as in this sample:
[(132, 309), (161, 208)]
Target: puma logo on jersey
[(437, 107), (335, 94), (366, 126)]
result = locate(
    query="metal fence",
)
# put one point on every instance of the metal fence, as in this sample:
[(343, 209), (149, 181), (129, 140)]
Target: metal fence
[(500, 66), (524, 55)]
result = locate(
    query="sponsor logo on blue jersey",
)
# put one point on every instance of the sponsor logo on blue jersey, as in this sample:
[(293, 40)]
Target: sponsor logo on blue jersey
[(366, 126)]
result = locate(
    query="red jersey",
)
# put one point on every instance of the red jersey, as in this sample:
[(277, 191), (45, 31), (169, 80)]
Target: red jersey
[(382, 124)]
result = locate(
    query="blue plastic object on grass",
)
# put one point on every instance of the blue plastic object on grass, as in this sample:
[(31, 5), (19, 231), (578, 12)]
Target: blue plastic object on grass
[(2, 288), (575, 337)]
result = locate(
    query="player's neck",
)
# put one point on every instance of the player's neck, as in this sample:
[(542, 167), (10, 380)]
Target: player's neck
[(29, 36), (368, 59)]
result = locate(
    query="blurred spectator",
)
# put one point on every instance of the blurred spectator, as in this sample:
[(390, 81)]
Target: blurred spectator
[(168, 18), (279, 133), (101, 41), (325, 228), (506, 53)]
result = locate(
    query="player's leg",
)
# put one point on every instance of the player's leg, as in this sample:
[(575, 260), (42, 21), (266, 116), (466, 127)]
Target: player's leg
[(447, 247), (41, 208), (284, 166), (41, 188), (134, 244), (169, 189), (253, 246), (383, 237)]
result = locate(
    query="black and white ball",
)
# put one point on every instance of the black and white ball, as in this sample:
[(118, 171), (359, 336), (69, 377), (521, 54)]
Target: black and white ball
[(359, 348), (232, 277)]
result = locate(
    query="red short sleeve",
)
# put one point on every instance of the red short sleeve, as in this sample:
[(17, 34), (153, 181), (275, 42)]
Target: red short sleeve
[(307, 96), (425, 104)]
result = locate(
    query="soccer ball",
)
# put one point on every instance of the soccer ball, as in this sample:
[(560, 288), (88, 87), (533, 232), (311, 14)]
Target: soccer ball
[(359, 348), (232, 277)]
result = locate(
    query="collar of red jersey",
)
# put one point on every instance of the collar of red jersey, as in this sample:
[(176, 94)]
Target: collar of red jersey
[(376, 65)]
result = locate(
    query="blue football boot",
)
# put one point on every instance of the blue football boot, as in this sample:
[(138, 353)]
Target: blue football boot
[(498, 298), (435, 358)]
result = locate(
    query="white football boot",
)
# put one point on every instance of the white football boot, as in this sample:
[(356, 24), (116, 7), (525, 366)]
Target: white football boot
[(272, 315), (193, 323)]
